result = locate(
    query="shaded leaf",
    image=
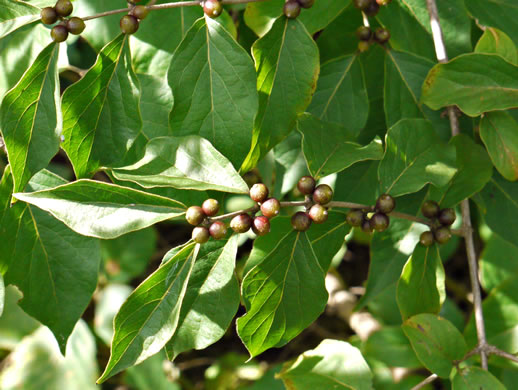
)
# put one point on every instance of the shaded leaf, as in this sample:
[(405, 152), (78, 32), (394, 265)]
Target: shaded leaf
[(475, 378), (108, 303), (498, 262), (155, 104), (496, 13)]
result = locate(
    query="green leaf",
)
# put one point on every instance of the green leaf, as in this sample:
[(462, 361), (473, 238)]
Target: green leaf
[(327, 147), (498, 262), (421, 288), (149, 317), (341, 89), (16, 14), (216, 98), (475, 82), (152, 373), (475, 378), (155, 104), (332, 364), (103, 210), (436, 342), (101, 116), (29, 118), (414, 157), (358, 183), (189, 162), (108, 303), (275, 54), (497, 42), (211, 300), (499, 132), (2, 295), (290, 165)]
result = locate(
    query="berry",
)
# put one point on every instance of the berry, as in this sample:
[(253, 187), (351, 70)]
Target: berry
[(140, 12), (251, 178), (64, 7), (306, 3), (372, 9), (366, 226), (430, 209), (270, 208), (364, 33), (194, 215), (318, 213), (383, 2), (291, 9), (241, 223), (381, 35), (442, 235), (59, 33), (322, 194), (385, 204), (362, 4), (379, 222), (447, 217), (300, 221), (49, 15), (210, 207), (363, 46), (129, 24), (261, 226), (218, 230), (259, 192), (75, 25), (200, 234), (355, 218), (306, 185), (426, 238), (212, 8)]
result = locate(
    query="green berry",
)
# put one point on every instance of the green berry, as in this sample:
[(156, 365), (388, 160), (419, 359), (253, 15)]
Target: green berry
[(48, 15), (259, 192), (362, 4), (430, 209), (306, 185), (355, 217), (385, 204), (442, 235), (318, 213), (140, 12), (300, 221), (364, 33), (426, 238), (323, 194), (129, 24), (366, 226), (261, 226), (212, 8), (195, 215), (363, 46), (210, 207), (241, 223), (291, 9), (270, 208), (64, 7), (200, 234), (306, 3), (75, 25), (59, 33), (218, 230), (379, 222), (381, 35), (372, 9), (447, 217)]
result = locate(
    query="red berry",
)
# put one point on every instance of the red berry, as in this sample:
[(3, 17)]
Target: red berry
[(261, 226), (306, 185), (300, 221), (212, 8), (323, 194), (241, 223), (259, 192), (318, 213), (200, 234), (271, 208), (291, 9), (218, 230), (210, 207), (195, 215)]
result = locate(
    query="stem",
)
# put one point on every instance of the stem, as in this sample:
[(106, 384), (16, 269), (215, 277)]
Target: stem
[(365, 20), (426, 381), (253, 209), (440, 50)]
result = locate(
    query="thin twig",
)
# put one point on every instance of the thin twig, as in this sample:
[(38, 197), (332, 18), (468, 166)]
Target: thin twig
[(440, 50), (252, 209), (492, 350), (425, 382)]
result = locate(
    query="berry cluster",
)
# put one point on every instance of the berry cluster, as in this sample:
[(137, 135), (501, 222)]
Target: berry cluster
[(130, 23), (198, 216), (62, 9), (367, 37), (370, 7), (321, 195), (292, 8), (441, 220), (377, 221)]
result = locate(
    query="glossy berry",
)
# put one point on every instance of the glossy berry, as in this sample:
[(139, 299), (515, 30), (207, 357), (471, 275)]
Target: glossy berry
[(372, 9), (355, 218), (318, 213), (270, 208), (261, 226), (210, 207), (383, 2), (381, 35), (241, 223), (259, 192), (426, 238), (75, 25), (364, 33), (447, 217), (129, 24), (212, 8), (49, 15), (217, 230), (442, 235), (362, 4), (64, 7), (385, 204), (291, 9), (363, 46), (59, 33), (306, 185), (366, 226), (300, 221), (140, 12), (306, 3), (430, 209), (323, 194), (195, 215), (379, 222), (200, 234)]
